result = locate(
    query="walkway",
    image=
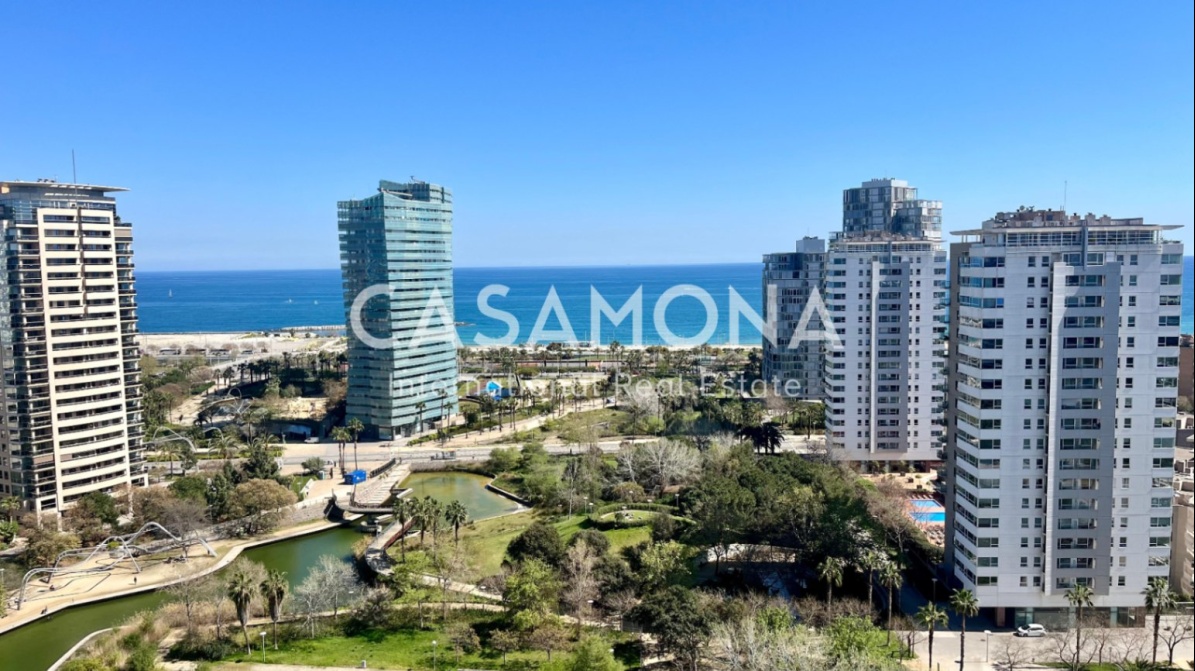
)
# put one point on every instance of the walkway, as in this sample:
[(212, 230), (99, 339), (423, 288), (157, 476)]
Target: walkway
[(376, 491)]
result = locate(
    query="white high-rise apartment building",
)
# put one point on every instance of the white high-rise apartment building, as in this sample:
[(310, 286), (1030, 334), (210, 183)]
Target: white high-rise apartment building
[(882, 281), (71, 387), (886, 294), (1062, 377)]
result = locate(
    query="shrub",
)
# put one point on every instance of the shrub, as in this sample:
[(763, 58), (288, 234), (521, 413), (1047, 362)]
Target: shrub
[(199, 648)]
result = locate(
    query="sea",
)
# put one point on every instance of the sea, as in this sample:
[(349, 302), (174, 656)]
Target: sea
[(696, 298)]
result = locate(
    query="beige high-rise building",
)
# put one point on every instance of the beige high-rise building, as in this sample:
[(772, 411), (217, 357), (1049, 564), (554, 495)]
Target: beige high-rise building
[(71, 388)]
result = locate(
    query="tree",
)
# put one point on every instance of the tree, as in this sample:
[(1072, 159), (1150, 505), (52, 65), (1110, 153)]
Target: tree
[(871, 561), (659, 465), (1011, 652), (592, 654), (9, 506), (463, 638), (539, 541), (273, 590), (1158, 597), (259, 503), (679, 622), (580, 582), (244, 580), (191, 487), (530, 593), (376, 609), (762, 437), (457, 515), (503, 460), (1182, 628), (1079, 598), (548, 636), (661, 564), (930, 617), (830, 571), (891, 578), (402, 514), (965, 605), (313, 466), (185, 518), (338, 582), (505, 641), (189, 591), (355, 427), (342, 436), (310, 600), (261, 464)]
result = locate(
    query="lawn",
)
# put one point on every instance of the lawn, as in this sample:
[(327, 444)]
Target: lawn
[(486, 540), (401, 649)]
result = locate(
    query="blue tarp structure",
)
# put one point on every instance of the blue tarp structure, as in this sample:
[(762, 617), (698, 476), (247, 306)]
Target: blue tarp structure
[(354, 477), (496, 391)]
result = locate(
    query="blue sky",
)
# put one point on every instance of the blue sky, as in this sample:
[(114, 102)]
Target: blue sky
[(587, 133)]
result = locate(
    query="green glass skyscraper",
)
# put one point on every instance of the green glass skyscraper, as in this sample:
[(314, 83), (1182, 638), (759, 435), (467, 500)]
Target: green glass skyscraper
[(396, 264)]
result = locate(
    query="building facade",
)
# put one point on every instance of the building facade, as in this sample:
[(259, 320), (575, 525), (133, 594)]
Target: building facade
[(886, 294), (68, 322), (1182, 547), (397, 246), (790, 279), (1062, 375), (890, 206), (882, 285)]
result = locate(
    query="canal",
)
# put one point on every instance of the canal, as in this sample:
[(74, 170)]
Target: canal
[(39, 644)]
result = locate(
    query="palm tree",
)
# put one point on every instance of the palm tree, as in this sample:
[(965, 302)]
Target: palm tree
[(1158, 597), (930, 616), (456, 515), (1079, 597), (355, 427), (443, 395), (403, 512), (342, 436), (830, 571), (423, 513), (965, 605), (9, 505), (870, 562), (242, 590), (435, 511), (419, 408), (891, 578), (273, 590)]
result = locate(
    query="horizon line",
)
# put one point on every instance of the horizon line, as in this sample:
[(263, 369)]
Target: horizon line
[(547, 267)]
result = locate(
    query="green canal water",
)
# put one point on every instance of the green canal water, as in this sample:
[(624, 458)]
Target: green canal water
[(467, 488), (36, 646)]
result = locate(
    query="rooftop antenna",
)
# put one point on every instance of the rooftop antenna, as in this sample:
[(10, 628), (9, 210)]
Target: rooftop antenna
[(74, 172), (1064, 188)]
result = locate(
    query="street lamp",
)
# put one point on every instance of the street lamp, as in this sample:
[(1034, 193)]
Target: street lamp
[(263, 644), (435, 657), (935, 590), (987, 636)]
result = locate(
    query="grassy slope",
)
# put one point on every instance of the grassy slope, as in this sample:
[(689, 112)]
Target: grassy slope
[(486, 540)]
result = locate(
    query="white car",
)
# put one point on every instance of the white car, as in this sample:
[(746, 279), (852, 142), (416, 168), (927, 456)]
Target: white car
[(1031, 631)]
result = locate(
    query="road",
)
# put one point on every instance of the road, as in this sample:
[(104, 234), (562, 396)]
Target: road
[(990, 652), (373, 453)]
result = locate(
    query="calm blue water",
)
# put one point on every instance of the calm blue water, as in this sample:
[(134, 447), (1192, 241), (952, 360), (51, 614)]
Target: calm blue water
[(180, 302)]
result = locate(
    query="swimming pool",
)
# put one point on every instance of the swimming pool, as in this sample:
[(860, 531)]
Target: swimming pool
[(927, 511)]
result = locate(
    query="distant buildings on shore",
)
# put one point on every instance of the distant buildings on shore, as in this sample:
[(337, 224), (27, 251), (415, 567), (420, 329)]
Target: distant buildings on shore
[(397, 246), (71, 383)]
